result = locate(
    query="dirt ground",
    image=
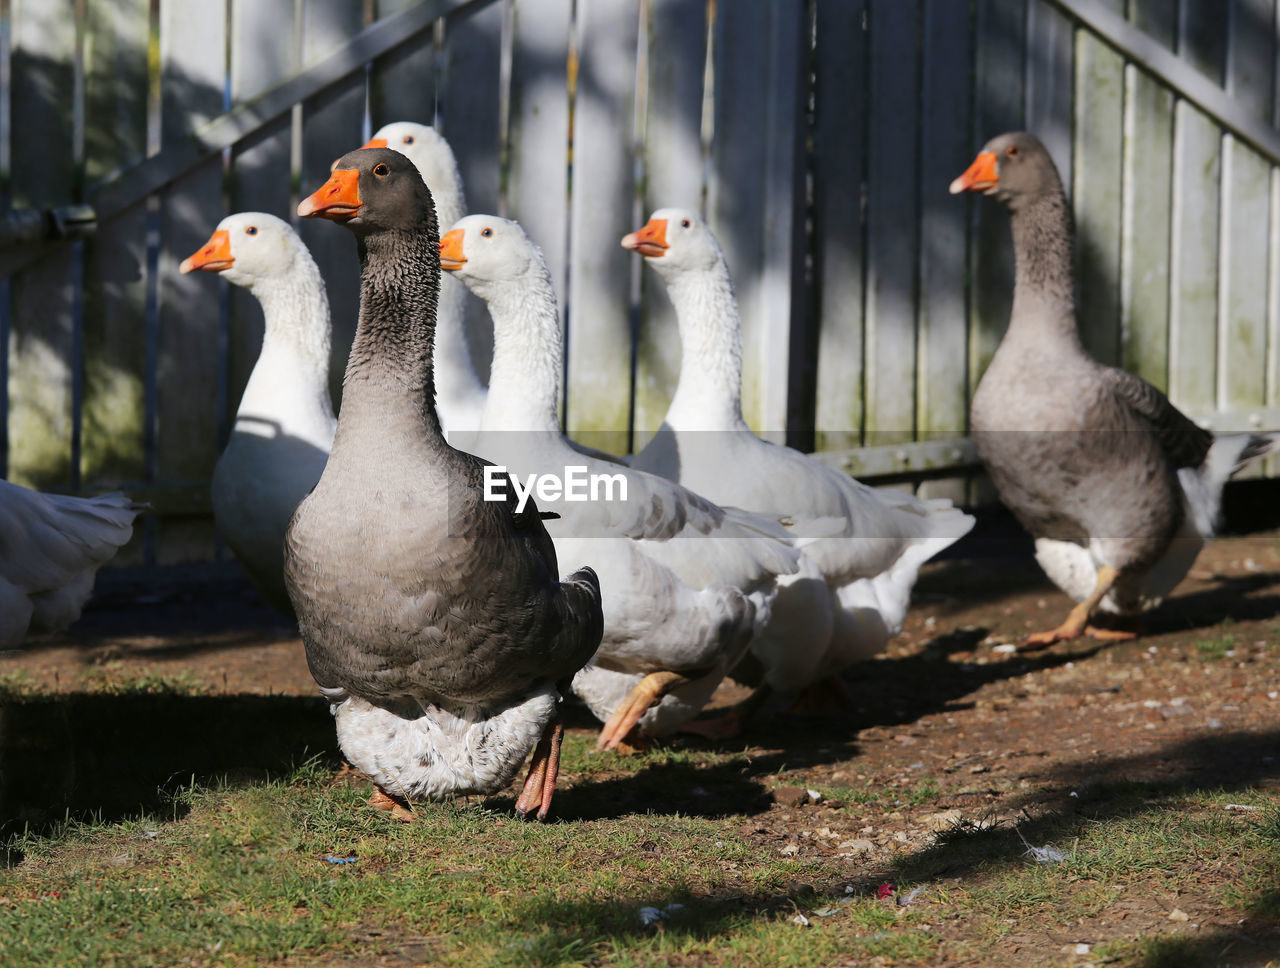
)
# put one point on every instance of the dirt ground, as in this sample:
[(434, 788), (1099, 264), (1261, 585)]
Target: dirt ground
[(1194, 702)]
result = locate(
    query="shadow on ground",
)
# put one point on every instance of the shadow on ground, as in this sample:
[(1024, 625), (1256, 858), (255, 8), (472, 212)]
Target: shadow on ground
[(115, 756)]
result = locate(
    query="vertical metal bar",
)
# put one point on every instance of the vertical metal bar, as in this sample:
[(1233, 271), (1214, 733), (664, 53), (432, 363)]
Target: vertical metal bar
[(151, 305), (639, 130), (77, 248), (505, 59), (6, 157)]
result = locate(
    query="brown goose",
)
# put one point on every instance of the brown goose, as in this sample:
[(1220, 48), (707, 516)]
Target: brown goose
[(1118, 487), (434, 620)]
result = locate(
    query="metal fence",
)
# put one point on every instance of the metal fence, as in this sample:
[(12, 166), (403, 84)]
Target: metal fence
[(819, 137)]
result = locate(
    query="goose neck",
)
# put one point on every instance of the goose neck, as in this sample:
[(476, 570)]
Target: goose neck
[(1044, 284), (709, 391), (528, 353), (295, 314), (390, 368)]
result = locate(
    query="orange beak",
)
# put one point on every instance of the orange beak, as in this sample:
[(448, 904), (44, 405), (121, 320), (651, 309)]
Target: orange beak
[(213, 257), (650, 241), (337, 199), (375, 143), (981, 175), (451, 256)]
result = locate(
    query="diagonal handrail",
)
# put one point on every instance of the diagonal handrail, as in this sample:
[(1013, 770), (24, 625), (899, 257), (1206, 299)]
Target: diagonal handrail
[(1158, 60), (130, 185)]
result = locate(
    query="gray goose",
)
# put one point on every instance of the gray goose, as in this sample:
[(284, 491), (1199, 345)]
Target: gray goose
[(434, 620), (1119, 488)]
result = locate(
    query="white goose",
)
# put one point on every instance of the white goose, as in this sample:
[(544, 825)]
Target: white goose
[(51, 546), (871, 565), (460, 392), (685, 583), (284, 425)]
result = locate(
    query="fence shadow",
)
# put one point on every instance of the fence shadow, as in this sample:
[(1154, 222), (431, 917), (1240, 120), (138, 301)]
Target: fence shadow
[(115, 756)]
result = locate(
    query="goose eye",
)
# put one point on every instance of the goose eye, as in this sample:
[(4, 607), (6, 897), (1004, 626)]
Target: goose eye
[(1013, 151), (381, 170), (486, 232), (408, 139), (684, 223), (251, 230)]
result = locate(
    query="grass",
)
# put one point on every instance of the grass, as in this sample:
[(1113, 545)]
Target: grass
[(236, 861), (115, 679), (243, 873), (1216, 648)]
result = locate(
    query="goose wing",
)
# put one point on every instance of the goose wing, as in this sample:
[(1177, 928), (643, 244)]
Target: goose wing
[(1183, 442)]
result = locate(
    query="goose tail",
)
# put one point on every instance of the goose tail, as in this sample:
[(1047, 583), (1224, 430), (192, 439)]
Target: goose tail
[(1202, 486)]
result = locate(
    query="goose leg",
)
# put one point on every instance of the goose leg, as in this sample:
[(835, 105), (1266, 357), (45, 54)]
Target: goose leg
[(381, 800), (1077, 621), (540, 784), (647, 692)]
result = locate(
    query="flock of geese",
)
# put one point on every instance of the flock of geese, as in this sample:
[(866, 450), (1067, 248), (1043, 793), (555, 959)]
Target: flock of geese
[(444, 622)]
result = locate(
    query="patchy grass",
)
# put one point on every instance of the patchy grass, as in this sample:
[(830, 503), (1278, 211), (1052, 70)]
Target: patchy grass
[(1221, 647), (117, 679), (298, 868), (16, 685), (153, 822)]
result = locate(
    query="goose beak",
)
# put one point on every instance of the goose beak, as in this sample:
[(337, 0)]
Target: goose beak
[(337, 199), (375, 143), (214, 256), (650, 241), (980, 176), (451, 256)]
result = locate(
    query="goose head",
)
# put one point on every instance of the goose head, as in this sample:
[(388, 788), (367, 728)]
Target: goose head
[(675, 239), (373, 190), (1011, 168), (425, 147), (486, 252), (248, 248)]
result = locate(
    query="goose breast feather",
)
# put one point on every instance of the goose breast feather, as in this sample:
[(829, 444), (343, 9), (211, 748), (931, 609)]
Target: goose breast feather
[(448, 613)]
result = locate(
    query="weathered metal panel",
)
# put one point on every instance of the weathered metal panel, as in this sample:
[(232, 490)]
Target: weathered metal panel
[(942, 381), (1246, 189), (1148, 181), (1196, 197), (470, 113), (740, 178), (893, 223), (537, 193), (999, 52), (45, 172), (1051, 42), (999, 107), (783, 344), (598, 391), (404, 83), (1096, 191), (673, 170), (1160, 114), (115, 356), (190, 347), (331, 126), (264, 51), (839, 180)]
